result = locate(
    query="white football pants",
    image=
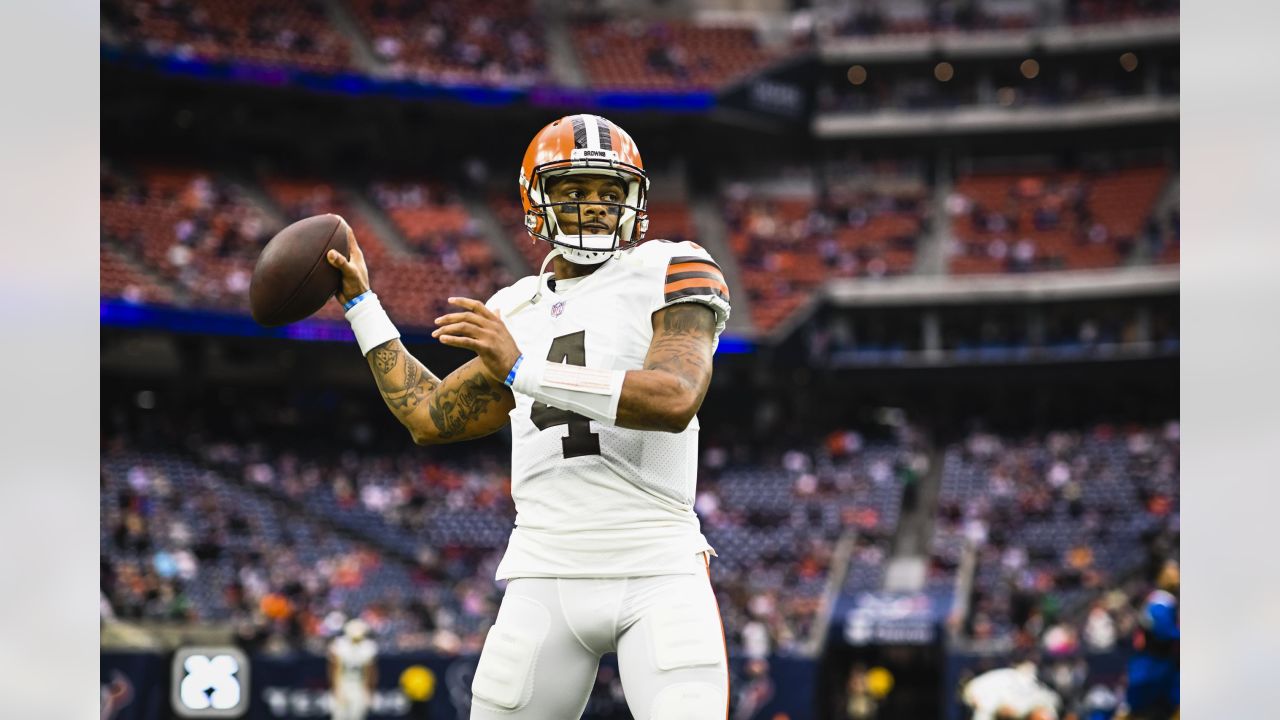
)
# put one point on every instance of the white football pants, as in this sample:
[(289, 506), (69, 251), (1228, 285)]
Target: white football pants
[(541, 656), (355, 701)]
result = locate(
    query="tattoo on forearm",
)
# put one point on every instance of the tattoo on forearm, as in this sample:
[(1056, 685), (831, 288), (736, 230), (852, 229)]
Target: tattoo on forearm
[(683, 347), (385, 359), (454, 408), (689, 318), (402, 390)]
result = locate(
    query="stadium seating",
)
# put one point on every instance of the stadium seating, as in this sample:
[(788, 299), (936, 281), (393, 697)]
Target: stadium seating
[(183, 542), (214, 534), (775, 525), (410, 524), (198, 232), (1057, 518), (1044, 221), (120, 278), (188, 237), (666, 55), (450, 257), (492, 42), (787, 246), (255, 31), (299, 198), (201, 235)]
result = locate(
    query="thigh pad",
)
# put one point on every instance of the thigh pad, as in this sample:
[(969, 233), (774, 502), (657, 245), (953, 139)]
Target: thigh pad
[(689, 701), (504, 676), (686, 634)]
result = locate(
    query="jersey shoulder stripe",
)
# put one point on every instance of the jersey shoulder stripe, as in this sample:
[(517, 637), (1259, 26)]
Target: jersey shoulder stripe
[(693, 275), (704, 259)]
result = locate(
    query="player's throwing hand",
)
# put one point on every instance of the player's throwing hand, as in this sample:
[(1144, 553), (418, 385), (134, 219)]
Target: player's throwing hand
[(481, 330), (355, 274)]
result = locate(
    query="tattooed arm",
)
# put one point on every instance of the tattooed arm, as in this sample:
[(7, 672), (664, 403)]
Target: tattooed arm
[(677, 371), (466, 404)]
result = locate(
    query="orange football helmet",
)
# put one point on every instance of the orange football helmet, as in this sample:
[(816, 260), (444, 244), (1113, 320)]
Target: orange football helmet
[(592, 145)]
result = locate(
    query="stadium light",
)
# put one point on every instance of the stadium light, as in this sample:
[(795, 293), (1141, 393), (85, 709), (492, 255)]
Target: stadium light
[(943, 71), (857, 75), (1129, 62), (1030, 68)]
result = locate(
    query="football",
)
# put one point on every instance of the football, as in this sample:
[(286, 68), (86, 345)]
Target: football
[(293, 279)]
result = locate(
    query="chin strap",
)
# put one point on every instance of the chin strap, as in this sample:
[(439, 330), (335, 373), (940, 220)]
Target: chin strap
[(537, 295), (586, 255)]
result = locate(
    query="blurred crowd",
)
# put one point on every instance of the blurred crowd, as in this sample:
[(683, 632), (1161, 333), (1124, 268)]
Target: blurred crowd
[(1045, 220), (195, 235), (1060, 522), (1073, 532), (285, 542), (201, 234), (282, 540), (786, 245), (197, 232), (496, 42), (298, 33)]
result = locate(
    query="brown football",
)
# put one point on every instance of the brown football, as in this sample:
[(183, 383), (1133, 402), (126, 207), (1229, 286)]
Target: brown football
[(293, 279)]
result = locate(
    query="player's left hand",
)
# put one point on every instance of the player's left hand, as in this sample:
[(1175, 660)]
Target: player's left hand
[(481, 330)]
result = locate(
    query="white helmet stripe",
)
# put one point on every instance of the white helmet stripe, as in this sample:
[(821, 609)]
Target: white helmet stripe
[(593, 132)]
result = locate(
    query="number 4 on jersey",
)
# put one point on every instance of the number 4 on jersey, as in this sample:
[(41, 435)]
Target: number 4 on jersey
[(580, 441)]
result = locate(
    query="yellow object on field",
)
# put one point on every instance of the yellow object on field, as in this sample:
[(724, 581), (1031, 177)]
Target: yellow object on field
[(418, 683), (879, 682)]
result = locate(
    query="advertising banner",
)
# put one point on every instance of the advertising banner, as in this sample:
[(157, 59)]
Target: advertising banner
[(153, 686)]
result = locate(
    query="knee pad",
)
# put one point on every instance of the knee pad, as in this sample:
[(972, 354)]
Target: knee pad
[(504, 675), (687, 635), (689, 701)]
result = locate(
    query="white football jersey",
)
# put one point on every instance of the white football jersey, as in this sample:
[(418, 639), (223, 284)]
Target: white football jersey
[(595, 500), (1008, 687), (353, 657)]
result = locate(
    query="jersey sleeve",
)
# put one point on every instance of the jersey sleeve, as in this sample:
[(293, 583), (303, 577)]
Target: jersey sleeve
[(693, 276)]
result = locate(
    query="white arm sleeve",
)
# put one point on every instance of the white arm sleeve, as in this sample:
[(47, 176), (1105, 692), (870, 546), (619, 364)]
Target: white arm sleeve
[(589, 392)]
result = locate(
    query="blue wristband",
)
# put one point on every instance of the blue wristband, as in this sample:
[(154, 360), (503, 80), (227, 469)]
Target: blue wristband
[(356, 300), (511, 376)]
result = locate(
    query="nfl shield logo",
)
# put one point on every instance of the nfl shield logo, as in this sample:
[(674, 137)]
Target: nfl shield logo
[(557, 309)]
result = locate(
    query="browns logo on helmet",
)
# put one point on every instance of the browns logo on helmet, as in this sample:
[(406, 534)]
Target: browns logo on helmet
[(589, 145)]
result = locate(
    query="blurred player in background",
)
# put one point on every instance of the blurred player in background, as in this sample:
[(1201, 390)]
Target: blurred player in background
[(599, 367), (353, 674), (1013, 693), (1154, 667)]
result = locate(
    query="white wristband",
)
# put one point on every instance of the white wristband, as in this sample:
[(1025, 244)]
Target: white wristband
[(528, 376), (587, 391), (371, 324)]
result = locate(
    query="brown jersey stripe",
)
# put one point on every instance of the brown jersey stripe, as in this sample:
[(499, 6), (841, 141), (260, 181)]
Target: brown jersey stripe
[(696, 291)]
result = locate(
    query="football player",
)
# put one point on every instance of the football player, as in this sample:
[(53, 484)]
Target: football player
[(1154, 672), (353, 673), (600, 367)]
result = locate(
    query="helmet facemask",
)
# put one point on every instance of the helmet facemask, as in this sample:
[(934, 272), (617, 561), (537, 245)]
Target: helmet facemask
[(580, 247)]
